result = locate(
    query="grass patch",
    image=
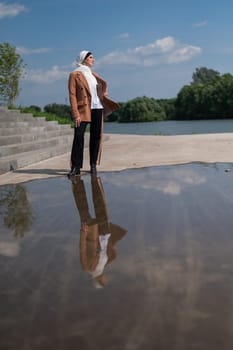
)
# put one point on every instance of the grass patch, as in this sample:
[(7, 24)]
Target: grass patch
[(47, 116)]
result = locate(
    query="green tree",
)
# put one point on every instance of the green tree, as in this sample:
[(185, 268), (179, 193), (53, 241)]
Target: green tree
[(61, 110), (204, 75), (210, 100), (11, 70), (141, 109), (222, 99), (115, 116), (16, 210), (35, 108), (168, 105)]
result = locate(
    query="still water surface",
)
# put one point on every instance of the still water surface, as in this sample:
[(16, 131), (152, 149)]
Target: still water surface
[(134, 260), (171, 127)]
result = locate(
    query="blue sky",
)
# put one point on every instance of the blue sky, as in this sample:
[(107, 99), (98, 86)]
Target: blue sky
[(142, 48)]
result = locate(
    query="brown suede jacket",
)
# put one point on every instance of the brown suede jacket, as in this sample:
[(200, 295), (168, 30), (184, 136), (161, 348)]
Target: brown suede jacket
[(80, 96)]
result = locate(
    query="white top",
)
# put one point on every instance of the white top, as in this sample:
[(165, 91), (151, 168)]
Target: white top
[(103, 258)]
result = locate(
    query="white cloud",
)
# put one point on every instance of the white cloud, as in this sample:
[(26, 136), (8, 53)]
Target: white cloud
[(181, 180), (183, 54), (173, 183), (11, 10), (9, 249), (158, 46), (178, 184), (123, 36), (25, 51), (200, 24), (166, 50), (46, 76)]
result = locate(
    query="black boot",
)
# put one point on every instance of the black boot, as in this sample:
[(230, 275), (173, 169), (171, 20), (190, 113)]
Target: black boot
[(93, 170), (74, 172)]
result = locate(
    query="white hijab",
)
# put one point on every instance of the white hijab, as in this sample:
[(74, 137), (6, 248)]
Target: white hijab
[(79, 62), (81, 57)]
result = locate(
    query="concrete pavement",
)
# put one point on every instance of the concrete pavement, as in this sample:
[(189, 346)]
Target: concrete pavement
[(133, 151)]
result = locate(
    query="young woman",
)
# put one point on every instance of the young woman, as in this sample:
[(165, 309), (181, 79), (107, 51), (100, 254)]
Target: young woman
[(89, 104)]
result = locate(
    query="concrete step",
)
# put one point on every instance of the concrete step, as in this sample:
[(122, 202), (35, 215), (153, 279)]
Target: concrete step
[(11, 114), (19, 117), (18, 130), (27, 120), (34, 122), (33, 136), (27, 130), (25, 139), (14, 149), (20, 160), (5, 111)]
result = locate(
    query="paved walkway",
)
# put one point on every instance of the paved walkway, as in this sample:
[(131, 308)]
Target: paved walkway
[(133, 151)]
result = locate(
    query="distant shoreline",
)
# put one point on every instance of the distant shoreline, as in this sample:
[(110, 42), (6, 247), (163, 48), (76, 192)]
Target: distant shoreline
[(169, 127)]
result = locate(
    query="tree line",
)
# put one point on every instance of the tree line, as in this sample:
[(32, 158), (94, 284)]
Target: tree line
[(208, 96)]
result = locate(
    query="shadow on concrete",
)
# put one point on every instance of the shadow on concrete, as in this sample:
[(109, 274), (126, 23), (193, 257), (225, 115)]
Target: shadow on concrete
[(42, 171)]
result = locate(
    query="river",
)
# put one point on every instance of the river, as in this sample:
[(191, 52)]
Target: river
[(171, 127)]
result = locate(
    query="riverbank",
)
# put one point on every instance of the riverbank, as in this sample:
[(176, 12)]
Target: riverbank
[(171, 127), (135, 151)]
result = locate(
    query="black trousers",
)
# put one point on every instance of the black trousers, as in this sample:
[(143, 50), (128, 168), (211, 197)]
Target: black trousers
[(94, 144), (99, 203)]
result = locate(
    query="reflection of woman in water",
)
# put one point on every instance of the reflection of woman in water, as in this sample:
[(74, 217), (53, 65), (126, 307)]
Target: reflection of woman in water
[(98, 236)]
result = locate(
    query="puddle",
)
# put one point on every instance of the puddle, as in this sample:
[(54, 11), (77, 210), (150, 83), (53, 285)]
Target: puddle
[(138, 259)]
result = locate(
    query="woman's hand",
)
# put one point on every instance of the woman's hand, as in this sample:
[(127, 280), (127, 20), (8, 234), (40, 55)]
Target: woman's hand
[(77, 122)]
